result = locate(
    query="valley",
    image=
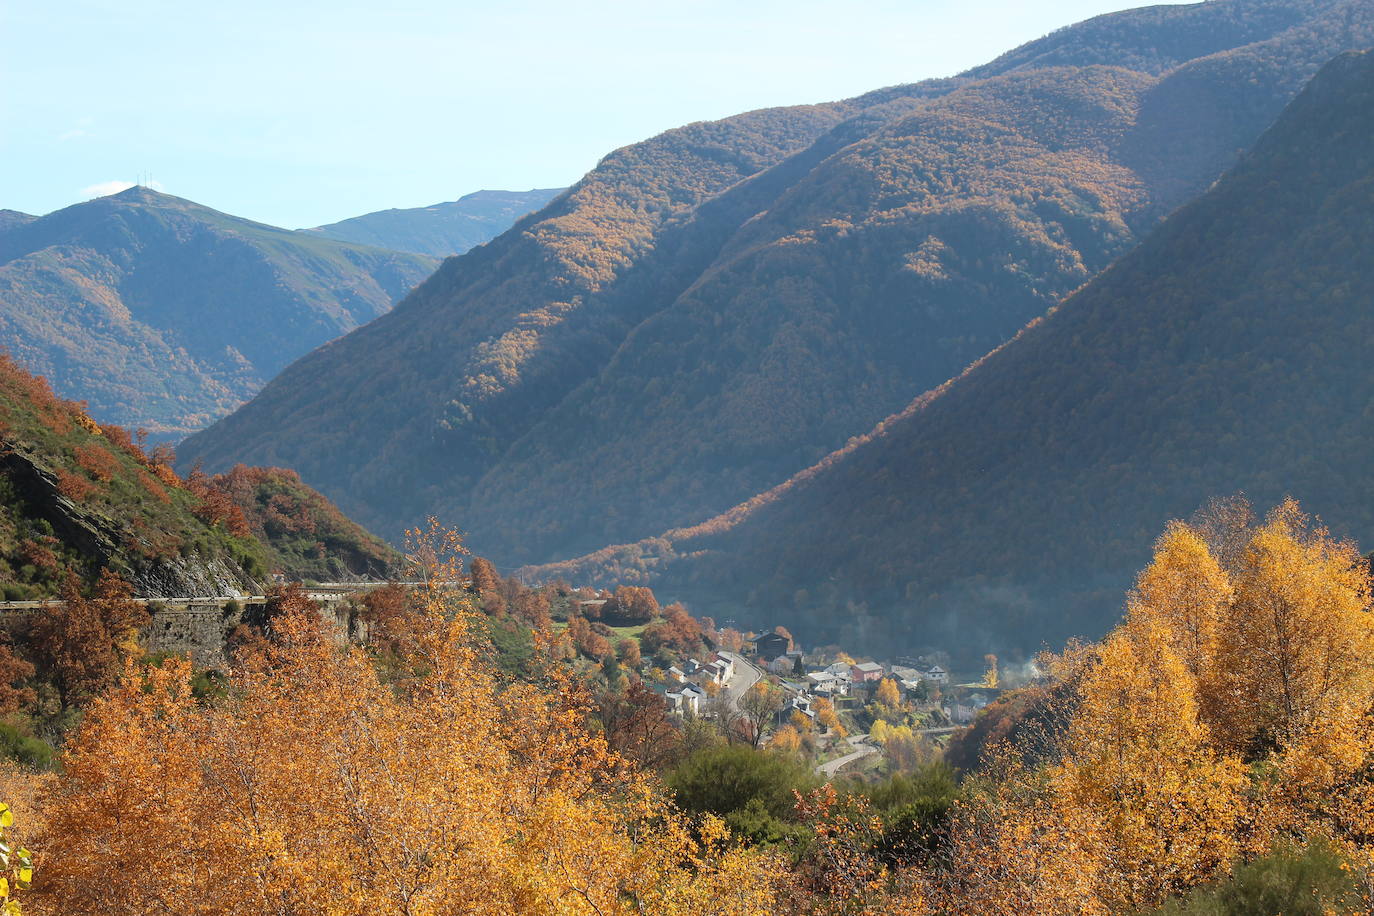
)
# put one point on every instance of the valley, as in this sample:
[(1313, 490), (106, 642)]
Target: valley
[(939, 501)]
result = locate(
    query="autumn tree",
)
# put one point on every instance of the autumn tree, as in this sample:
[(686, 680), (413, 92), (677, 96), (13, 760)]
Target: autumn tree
[(314, 786), (1297, 638), (384, 609), (786, 740), (586, 640), (636, 725), (83, 640), (990, 676), (532, 607), (15, 673), (487, 584), (628, 652), (215, 506), (630, 605), (678, 630), (1186, 589), (887, 695), (761, 703), (827, 718), (1140, 776)]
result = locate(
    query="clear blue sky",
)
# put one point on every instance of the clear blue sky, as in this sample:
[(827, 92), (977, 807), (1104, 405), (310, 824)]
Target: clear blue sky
[(298, 112)]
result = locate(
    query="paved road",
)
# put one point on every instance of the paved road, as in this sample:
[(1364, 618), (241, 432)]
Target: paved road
[(861, 749), (746, 676), (324, 591)]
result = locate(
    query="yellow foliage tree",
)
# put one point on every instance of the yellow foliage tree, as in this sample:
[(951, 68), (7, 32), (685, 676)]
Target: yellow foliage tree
[(826, 717), (1140, 774), (314, 786), (1296, 642), (887, 693), (990, 675), (1185, 589), (786, 739)]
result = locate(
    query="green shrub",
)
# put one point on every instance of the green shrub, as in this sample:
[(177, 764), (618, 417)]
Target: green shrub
[(734, 778), (31, 752), (1314, 880)]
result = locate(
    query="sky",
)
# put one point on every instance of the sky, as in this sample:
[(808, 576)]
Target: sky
[(299, 113)]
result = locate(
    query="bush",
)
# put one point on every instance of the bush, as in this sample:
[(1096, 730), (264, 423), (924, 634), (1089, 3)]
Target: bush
[(730, 779), (31, 752), (1293, 880), (916, 811)]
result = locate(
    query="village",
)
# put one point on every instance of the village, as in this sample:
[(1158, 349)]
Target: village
[(843, 715), (848, 715)]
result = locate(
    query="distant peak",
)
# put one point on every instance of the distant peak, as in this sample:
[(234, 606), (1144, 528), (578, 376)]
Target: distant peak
[(141, 192)]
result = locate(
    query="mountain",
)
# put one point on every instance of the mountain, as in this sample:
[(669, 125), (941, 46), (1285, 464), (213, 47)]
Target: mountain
[(1228, 352), (442, 229), (164, 314), (712, 310), (10, 219)]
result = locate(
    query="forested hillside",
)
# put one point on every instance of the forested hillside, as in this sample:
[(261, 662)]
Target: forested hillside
[(78, 497), (1228, 352), (305, 535), (442, 229), (716, 308), (81, 498), (164, 314)]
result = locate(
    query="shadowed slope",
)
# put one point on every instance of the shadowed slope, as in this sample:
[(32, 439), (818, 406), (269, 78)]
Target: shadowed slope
[(1228, 352)]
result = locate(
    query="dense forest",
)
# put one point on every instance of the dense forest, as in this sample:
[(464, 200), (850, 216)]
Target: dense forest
[(1007, 507), (165, 315), (715, 309)]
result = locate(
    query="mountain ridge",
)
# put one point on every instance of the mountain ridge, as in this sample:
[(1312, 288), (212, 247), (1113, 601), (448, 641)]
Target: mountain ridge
[(442, 229), (164, 314), (1011, 505), (676, 366)]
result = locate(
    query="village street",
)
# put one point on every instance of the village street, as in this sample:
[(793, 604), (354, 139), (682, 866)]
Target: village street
[(746, 676), (828, 770)]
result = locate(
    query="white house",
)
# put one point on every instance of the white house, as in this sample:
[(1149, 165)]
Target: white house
[(935, 674), (826, 684), (687, 700), (727, 663)]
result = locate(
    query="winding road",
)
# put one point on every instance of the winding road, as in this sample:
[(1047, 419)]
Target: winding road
[(861, 749), (746, 676)]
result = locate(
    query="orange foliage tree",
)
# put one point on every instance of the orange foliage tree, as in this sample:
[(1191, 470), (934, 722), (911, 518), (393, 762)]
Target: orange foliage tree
[(316, 786), (83, 640)]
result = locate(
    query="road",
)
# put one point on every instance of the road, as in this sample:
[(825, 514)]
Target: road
[(746, 676), (861, 749), (323, 591)]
